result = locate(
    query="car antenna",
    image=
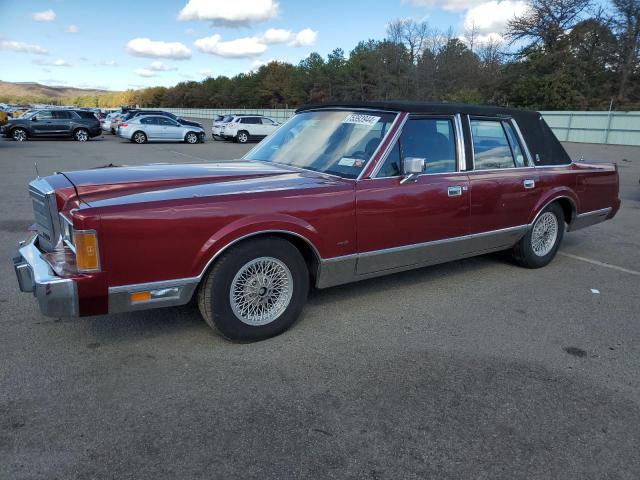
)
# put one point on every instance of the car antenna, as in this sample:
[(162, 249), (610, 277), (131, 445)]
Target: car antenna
[(35, 164), (74, 187)]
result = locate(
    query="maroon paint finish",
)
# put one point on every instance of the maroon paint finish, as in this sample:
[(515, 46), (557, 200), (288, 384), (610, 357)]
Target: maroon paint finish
[(391, 215), (166, 222)]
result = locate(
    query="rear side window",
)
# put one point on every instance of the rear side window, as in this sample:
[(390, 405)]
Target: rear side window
[(515, 144), (491, 149), (149, 120), (250, 120), (165, 121), (62, 114)]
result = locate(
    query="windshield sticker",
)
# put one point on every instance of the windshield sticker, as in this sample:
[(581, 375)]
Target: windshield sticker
[(360, 119), (350, 162)]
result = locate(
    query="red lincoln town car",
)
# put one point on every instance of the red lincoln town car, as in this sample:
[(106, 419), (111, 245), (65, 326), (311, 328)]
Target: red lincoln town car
[(339, 193)]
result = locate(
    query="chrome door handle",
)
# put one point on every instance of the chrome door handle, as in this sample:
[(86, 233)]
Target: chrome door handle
[(454, 191), (529, 183)]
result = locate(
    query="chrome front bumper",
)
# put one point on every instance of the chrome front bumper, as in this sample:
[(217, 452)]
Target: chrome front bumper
[(57, 297)]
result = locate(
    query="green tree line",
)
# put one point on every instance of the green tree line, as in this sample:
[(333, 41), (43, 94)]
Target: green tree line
[(560, 54)]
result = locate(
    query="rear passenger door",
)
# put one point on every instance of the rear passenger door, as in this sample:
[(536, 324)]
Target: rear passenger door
[(503, 187), (61, 122), (152, 127)]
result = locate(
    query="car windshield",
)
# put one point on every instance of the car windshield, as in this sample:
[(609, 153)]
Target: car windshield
[(339, 142)]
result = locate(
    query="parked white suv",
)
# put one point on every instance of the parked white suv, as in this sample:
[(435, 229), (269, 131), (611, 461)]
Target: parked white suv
[(243, 128)]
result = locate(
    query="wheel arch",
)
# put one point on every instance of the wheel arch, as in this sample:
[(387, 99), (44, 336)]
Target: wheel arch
[(567, 200), (305, 246)]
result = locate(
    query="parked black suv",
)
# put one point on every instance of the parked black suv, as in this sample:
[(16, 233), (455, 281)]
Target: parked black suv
[(78, 124), (134, 113)]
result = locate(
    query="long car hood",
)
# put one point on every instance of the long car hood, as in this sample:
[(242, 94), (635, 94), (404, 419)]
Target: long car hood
[(122, 185)]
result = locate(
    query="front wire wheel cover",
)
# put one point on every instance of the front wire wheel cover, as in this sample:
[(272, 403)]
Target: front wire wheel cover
[(261, 291)]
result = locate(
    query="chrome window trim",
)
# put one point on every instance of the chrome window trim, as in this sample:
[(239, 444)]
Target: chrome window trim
[(399, 133), (387, 151), (523, 144), (462, 156)]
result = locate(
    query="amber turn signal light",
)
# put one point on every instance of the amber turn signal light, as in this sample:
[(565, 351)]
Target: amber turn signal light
[(140, 297), (87, 255)]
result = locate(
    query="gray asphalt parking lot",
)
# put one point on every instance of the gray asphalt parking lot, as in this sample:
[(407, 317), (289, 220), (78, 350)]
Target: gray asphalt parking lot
[(472, 369)]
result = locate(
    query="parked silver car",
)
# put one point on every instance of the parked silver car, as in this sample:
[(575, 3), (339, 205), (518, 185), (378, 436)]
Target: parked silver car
[(155, 128)]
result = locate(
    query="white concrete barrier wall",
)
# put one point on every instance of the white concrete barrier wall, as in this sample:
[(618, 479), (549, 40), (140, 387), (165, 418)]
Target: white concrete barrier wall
[(614, 128)]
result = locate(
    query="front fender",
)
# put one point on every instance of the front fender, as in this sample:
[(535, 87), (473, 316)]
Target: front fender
[(255, 225)]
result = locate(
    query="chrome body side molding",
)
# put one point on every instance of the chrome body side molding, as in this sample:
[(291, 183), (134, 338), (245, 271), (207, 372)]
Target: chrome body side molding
[(174, 293), (587, 219), (351, 268)]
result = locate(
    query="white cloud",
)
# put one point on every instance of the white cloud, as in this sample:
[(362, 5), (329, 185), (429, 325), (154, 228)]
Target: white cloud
[(305, 38), (450, 5), (190, 31), (275, 35), (491, 18), (108, 63), (233, 13), (240, 48), (145, 47), (46, 16), (72, 29), (52, 63), (22, 47), (205, 72), (256, 64), (158, 66), (144, 72)]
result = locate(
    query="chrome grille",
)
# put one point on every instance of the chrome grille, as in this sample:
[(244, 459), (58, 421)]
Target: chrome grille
[(45, 212)]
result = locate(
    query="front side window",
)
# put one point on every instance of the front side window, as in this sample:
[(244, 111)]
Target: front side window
[(339, 142), (491, 148), (430, 138), (43, 115), (166, 121), (267, 121)]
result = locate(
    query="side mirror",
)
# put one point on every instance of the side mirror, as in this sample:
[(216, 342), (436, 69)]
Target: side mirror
[(411, 168), (34, 119)]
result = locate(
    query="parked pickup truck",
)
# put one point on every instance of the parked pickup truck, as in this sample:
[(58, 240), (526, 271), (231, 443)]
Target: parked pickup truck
[(340, 193)]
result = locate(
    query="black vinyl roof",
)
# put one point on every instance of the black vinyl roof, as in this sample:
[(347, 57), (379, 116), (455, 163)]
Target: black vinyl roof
[(540, 139), (426, 107)]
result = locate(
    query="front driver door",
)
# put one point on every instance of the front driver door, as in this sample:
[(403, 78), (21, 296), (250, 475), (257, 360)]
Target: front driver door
[(413, 223), (42, 123)]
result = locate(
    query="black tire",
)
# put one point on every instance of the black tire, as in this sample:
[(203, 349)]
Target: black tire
[(191, 137), (139, 137), (242, 137), (81, 135), (113, 131), (19, 134), (215, 138), (524, 253), (214, 299)]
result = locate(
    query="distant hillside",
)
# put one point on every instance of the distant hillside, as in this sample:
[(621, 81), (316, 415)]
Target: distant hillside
[(32, 89)]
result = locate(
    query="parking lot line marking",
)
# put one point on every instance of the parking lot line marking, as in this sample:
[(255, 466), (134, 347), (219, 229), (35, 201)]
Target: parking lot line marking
[(600, 264)]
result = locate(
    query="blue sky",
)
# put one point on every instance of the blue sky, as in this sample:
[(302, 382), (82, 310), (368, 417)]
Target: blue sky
[(132, 44)]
